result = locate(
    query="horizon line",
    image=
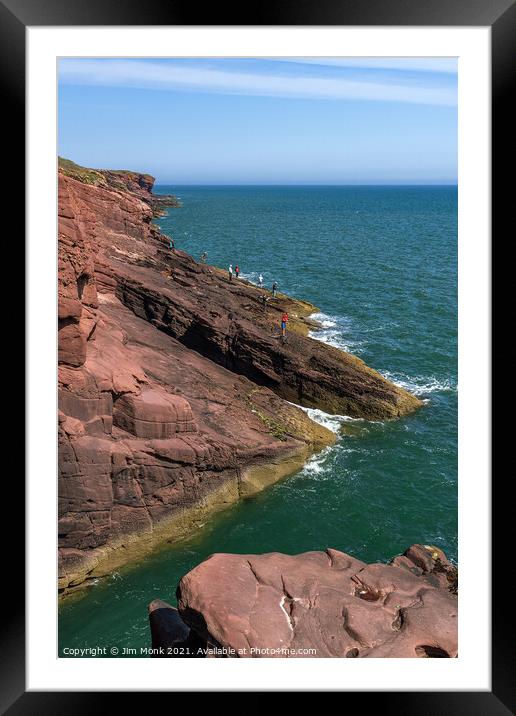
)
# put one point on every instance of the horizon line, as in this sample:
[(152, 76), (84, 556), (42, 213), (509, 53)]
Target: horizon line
[(307, 184)]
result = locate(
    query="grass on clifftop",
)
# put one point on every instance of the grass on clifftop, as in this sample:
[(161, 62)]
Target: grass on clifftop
[(75, 171), (99, 177), (131, 174)]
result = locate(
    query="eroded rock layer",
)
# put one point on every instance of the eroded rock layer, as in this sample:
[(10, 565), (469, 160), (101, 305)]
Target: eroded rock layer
[(172, 380), (316, 604)]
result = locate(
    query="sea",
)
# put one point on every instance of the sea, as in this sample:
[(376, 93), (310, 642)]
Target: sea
[(380, 263)]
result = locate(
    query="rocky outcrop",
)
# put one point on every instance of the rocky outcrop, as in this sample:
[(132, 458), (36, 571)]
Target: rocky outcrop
[(139, 185), (228, 323), (172, 381), (317, 604)]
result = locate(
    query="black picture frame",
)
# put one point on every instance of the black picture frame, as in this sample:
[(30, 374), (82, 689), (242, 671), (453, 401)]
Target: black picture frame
[(500, 16)]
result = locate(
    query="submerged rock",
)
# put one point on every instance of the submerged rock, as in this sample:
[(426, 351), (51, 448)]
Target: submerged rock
[(321, 604), (171, 637)]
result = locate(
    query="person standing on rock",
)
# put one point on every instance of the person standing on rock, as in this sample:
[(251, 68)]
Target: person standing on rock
[(274, 289), (260, 280), (204, 256), (230, 272), (171, 243), (237, 271), (284, 321)]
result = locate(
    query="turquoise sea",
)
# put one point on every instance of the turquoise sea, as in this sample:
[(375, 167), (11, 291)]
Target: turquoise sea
[(381, 265)]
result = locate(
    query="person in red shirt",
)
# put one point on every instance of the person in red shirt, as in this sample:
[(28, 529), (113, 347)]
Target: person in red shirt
[(284, 320)]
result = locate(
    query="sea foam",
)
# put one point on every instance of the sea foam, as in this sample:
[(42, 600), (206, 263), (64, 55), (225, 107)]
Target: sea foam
[(335, 331), (421, 385), (331, 422)]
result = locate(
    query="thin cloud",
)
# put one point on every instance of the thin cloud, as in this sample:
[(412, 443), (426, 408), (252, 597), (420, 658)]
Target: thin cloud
[(444, 65), (183, 76)]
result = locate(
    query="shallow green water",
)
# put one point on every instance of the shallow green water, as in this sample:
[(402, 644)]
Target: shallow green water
[(381, 265)]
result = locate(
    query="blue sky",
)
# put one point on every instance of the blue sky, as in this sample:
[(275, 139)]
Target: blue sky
[(263, 121)]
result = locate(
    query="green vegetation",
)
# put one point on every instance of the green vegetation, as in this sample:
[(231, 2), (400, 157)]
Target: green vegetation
[(273, 427), (102, 177), (119, 180), (135, 176), (75, 171)]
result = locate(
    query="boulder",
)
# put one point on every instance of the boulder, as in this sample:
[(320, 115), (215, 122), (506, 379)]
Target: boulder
[(323, 604), (171, 637)]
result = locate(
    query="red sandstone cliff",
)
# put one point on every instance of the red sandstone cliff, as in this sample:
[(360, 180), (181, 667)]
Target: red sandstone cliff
[(172, 381)]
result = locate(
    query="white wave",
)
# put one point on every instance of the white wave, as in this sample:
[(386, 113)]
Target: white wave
[(335, 331), (327, 322), (331, 422), (322, 465), (421, 385), (327, 420), (315, 465), (252, 277)]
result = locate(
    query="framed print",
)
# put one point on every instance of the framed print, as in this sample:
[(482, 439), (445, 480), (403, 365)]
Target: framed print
[(259, 430)]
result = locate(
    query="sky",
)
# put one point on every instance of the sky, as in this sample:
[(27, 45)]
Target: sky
[(263, 121)]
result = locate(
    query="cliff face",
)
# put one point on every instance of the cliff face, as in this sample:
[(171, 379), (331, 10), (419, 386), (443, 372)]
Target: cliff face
[(171, 380), (227, 323), (316, 604), (138, 184)]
